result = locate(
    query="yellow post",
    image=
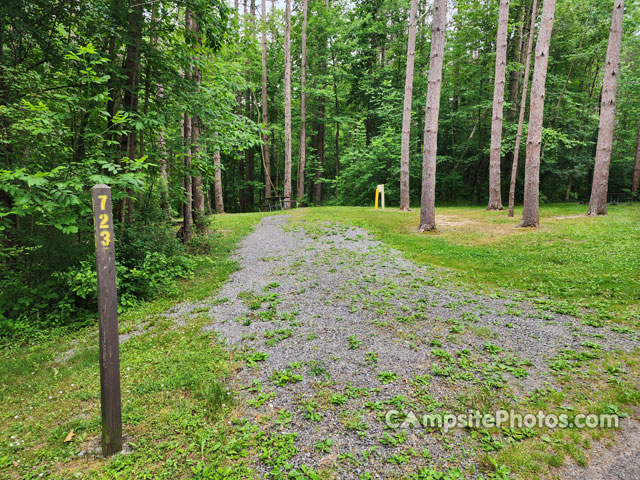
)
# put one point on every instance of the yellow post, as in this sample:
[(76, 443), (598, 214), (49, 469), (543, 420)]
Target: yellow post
[(377, 193)]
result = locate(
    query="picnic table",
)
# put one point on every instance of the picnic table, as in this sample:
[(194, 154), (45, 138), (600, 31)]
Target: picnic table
[(277, 203)]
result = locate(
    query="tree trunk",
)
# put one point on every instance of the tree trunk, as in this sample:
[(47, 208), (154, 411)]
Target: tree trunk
[(636, 166), (337, 112), (196, 131), (265, 110), (495, 196), (187, 219), (432, 110), (164, 177), (523, 107), (598, 201), (187, 183), (406, 112), (249, 155), (287, 105), (217, 180), (567, 194), (303, 103), (241, 190), (317, 194), (128, 141), (530, 213), (514, 83), (250, 152)]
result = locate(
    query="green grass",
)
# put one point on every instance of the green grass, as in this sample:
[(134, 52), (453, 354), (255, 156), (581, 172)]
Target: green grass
[(175, 402), (593, 262), (173, 389)]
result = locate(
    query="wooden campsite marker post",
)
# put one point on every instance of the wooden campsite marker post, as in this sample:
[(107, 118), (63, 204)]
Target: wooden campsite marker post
[(108, 327)]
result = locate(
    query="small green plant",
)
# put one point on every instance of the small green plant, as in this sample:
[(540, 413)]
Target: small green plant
[(318, 369), (261, 399), (253, 358), (387, 377), (338, 399), (491, 348), (311, 413), (284, 377), (394, 440), (354, 342), (371, 358), (324, 446)]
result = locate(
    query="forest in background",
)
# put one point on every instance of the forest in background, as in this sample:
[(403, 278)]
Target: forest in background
[(163, 100)]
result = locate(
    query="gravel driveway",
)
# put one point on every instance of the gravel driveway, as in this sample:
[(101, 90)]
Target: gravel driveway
[(337, 329)]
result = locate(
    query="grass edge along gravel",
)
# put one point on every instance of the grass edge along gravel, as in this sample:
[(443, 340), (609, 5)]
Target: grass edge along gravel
[(173, 389)]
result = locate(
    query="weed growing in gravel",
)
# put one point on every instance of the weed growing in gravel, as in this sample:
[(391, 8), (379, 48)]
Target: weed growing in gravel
[(318, 369), (387, 377), (371, 358), (324, 446), (252, 358), (276, 336), (260, 399), (353, 342), (338, 399), (284, 377), (310, 411)]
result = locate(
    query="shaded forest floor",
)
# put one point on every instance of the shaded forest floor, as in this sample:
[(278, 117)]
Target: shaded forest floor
[(291, 365)]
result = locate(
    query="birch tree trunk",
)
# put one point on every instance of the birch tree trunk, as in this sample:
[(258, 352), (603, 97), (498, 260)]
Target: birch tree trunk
[(265, 110), (432, 110), (303, 103), (406, 112), (598, 201), (495, 197), (523, 107), (530, 213), (287, 105), (636, 166)]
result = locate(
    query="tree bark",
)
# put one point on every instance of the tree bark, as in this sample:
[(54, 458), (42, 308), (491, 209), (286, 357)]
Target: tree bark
[(250, 152), (303, 103), (530, 213), (432, 111), (249, 155), (196, 131), (523, 106), (162, 154), (495, 196), (636, 167), (287, 105), (217, 179), (128, 141), (598, 201), (187, 217), (337, 112), (320, 127), (265, 110), (406, 112), (514, 84)]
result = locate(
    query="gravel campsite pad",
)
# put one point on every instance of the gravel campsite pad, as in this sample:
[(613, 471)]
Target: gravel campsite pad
[(336, 329)]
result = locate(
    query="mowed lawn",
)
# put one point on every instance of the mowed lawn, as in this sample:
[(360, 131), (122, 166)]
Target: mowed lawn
[(588, 262)]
